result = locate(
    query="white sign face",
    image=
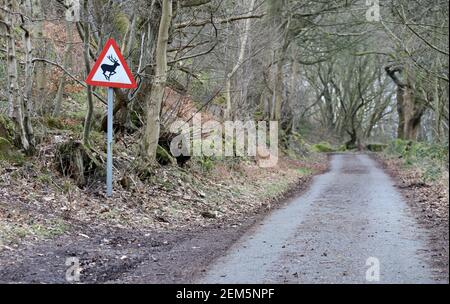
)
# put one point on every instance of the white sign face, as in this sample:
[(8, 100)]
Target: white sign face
[(111, 69)]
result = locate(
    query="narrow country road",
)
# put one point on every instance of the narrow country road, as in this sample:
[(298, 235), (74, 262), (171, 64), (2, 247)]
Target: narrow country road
[(351, 216)]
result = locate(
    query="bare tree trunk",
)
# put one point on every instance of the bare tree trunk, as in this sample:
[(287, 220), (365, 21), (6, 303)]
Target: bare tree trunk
[(26, 103), (15, 100), (413, 111), (409, 108), (279, 77), (294, 95), (228, 111), (62, 80), (125, 117), (401, 114), (278, 91), (90, 109), (438, 110), (279, 86), (154, 101), (11, 60), (41, 67), (129, 42)]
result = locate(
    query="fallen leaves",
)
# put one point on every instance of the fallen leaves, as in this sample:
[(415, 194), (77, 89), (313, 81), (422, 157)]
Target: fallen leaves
[(174, 198)]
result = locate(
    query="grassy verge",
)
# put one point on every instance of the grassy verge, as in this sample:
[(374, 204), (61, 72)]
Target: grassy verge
[(429, 160)]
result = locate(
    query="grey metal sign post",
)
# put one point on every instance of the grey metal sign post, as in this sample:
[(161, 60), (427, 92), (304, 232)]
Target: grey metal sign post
[(109, 165)]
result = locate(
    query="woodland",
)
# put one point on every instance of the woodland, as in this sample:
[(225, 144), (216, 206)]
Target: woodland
[(338, 76)]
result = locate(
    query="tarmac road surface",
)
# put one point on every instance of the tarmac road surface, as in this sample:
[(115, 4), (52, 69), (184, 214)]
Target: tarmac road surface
[(352, 226)]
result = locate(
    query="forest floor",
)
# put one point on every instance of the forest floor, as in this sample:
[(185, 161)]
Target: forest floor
[(171, 224)]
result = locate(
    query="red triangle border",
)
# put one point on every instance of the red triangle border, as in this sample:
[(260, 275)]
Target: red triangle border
[(89, 81)]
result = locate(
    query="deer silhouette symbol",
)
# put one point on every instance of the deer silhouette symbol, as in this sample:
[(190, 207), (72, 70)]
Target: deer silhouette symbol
[(111, 69)]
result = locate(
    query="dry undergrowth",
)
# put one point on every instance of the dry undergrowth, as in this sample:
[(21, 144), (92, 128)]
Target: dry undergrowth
[(37, 203)]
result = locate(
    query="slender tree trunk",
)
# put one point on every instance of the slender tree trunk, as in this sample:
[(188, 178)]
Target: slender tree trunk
[(62, 80), (11, 61), (279, 77), (90, 102), (438, 110), (278, 91), (279, 86), (154, 101), (240, 61), (41, 67), (401, 114), (129, 42), (15, 99), (26, 100), (294, 78), (125, 117)]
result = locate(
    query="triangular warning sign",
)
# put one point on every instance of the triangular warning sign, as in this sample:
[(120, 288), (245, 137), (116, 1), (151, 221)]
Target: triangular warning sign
[(111, 69)]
